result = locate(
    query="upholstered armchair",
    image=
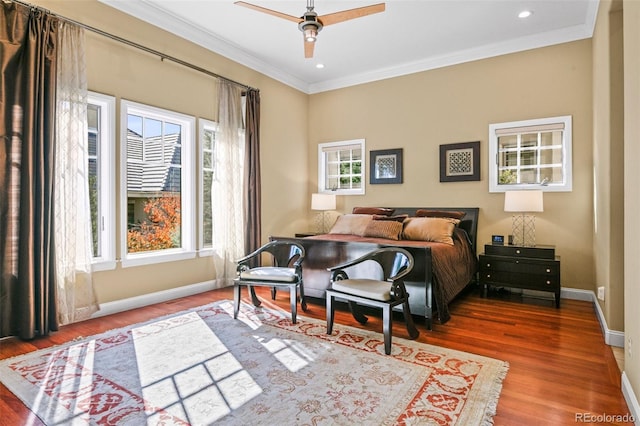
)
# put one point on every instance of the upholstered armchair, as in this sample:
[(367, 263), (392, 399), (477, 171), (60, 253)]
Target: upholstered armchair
[(383, 288), (285, 272)]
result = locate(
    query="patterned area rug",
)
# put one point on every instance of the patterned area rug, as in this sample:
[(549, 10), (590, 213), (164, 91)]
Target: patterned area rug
[(201, 367)]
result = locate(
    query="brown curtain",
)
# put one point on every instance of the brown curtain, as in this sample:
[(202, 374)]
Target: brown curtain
[(27, 107), (252, 172)]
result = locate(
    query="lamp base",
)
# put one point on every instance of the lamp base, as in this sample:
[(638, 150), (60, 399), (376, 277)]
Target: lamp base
[(321, 223), (523, 228)]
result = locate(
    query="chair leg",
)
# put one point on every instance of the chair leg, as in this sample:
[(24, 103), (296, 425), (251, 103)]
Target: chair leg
[(254, 298), (294, 303), (330, 313), (236, 301), (303, 302), (355, 311), (411, 327), (387, 327), (273, 293)]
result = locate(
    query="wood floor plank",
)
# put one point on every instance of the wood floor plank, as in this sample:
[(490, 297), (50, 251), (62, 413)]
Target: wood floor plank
[(560, 366)]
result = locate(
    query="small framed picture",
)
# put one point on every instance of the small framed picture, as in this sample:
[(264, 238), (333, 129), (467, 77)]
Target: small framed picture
[(385, 166), (460, 162)]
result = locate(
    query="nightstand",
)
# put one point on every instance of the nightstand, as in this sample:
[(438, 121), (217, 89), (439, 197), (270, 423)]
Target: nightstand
[(532, 268)]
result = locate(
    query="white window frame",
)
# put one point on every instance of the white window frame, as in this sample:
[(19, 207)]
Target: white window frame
[(187, 191), (323, 148), (106, 162), (494, 129), (204, 126)]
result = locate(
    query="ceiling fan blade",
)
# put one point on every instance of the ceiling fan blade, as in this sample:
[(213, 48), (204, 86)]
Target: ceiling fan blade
[(269, 11), (308, 48), (345, 15)]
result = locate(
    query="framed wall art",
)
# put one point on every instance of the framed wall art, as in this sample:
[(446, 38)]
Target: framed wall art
[(385, 166), (460, 162)]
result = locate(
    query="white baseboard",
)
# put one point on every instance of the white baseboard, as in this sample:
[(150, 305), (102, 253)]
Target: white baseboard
[(630, 397), (152, 298), (611, 337)]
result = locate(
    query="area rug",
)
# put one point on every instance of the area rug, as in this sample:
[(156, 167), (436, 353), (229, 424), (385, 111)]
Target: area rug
[(202, 367)]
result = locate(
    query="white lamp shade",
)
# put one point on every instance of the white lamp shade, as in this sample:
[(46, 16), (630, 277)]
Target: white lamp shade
[(523, 201), (323, 201)]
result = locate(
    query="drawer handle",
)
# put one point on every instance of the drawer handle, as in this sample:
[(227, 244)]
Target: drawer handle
[(488, 275), (488, 265), (517, 261), (517, 251), (548, 270), (548, 282)]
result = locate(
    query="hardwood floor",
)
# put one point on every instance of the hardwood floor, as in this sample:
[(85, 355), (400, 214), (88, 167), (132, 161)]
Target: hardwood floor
[(560, 367)]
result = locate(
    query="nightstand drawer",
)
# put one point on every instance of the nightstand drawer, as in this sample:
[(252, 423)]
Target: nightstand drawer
[(520, 280), (537, 252), (528, 266)]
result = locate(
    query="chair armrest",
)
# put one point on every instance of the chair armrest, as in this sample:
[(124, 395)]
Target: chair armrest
[(399, 275)]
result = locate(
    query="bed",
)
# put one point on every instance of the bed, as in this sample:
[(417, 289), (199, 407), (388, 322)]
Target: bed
[(443, 267)]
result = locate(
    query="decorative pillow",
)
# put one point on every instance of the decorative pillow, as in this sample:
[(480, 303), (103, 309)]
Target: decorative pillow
[(373, 210), (437, 229), (397, 218), (353, 224), (389, 229), (440, 213)]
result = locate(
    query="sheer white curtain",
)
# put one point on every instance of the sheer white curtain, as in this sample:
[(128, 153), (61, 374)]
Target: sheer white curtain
[(75, 296), (226, 188)]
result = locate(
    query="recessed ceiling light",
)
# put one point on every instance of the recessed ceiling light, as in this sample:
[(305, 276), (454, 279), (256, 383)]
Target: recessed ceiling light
[(319, 66), (525, 14)]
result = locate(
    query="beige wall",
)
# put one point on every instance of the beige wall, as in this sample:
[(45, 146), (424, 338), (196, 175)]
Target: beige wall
[(127, 73), (631, 21), (608, 107), (456, 104)]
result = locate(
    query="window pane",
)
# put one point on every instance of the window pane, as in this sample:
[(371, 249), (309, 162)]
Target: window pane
[(93, 124), (528, 158), (529, 140), (207, 217), (153, 184)]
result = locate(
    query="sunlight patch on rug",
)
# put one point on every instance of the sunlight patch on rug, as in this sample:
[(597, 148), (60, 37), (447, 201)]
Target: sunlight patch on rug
[(201, 366)]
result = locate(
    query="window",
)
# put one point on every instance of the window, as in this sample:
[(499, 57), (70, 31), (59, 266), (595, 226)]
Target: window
[(158, 181), (207, 161), (341, 167), (101, 134), (524, 154)]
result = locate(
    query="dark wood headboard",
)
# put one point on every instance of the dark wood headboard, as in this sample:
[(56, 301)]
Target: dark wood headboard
[(469, 222)]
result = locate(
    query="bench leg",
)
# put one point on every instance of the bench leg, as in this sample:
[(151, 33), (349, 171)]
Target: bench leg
[(357, 314), (303, 302), (411, 327), (254, 298)]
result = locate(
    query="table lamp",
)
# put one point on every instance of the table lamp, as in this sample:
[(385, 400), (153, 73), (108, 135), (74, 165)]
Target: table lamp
[(523, 226), (324, 203)]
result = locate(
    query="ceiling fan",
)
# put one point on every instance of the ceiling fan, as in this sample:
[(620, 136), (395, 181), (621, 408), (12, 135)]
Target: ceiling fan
[(310, 23)]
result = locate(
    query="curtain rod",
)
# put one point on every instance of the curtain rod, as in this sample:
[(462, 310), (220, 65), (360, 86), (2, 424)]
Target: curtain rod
[(137, 46)]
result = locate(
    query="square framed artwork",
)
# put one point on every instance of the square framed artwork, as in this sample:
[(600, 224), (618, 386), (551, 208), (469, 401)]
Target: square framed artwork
[(385, 166), (460, 162)]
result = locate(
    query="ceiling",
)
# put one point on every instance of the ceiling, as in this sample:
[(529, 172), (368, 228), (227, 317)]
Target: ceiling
[(409, 36)]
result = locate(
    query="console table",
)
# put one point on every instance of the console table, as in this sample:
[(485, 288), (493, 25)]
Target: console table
[(532, 268)]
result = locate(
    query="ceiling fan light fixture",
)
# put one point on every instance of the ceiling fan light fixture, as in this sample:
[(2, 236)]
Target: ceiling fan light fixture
[(310, 34)]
